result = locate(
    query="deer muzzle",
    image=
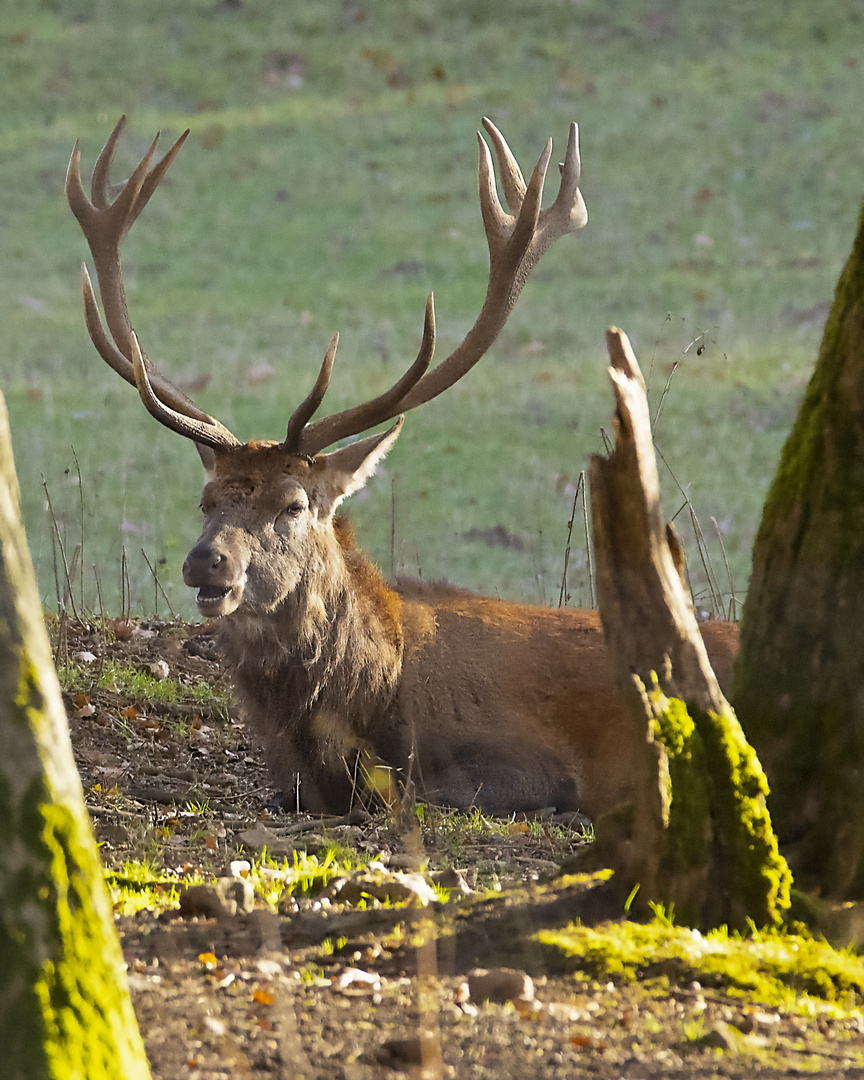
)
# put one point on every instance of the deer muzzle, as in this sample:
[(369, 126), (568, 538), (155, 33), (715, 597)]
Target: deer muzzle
[(216, 575)]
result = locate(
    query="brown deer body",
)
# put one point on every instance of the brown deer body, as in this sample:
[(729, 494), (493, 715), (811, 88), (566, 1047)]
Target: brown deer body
[(353, 683)]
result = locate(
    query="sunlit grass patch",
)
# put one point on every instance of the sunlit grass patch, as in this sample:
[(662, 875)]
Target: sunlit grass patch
[(140, 885), (301, 875), (791, 970), (139, 685)]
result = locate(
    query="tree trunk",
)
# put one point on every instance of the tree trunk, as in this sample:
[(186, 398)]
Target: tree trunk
[(799, 680), (698, 833), (65, 1009)]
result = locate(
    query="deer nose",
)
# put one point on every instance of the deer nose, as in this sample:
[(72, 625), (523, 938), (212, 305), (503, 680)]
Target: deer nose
[(203, 563)]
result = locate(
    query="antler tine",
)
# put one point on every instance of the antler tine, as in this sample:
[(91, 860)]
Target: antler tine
[(153, 178), (309, 406), (101, 191), (314, 437), (167, 391), (568, 212), (105, 218), (511, 175), (568, 204), (210, 433), (516, 242)]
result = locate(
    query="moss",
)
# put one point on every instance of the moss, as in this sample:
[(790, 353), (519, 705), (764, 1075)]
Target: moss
[(718, 794), (688, 828), (69, 1014), (792, 970), (761, 877)]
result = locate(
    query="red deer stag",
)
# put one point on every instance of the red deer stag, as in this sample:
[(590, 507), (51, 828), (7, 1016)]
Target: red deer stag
[(473, 701)]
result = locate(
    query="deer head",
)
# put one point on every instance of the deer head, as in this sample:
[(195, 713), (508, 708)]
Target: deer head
[(268, 506)]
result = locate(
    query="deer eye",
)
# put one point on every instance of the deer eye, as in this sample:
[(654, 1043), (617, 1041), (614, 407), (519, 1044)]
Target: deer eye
[(294, 509)]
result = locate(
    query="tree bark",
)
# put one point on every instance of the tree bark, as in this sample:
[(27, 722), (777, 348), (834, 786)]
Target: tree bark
[(698, 833), (65, 1009), (799, 681)]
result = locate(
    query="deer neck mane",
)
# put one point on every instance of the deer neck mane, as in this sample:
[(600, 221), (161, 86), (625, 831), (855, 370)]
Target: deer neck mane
[(335, 642)]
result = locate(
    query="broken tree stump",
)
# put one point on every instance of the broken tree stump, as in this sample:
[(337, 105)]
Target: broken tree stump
[(697, 834)]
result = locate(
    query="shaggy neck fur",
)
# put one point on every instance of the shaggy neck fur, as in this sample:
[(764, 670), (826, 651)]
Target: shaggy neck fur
[(312, 674)]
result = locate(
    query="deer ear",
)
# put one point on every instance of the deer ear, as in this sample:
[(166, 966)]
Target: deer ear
[(347, 470), (208, 457)]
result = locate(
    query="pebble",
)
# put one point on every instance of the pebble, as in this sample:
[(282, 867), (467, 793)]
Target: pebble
[(500, 984)]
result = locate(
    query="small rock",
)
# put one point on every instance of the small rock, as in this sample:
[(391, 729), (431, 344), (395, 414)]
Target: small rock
[(262, 931), (214, 1025), (450, 879), (721, 1037), (387, 888), (753, 1021), (202, 901), (352, 976), (415, 1050), (500, 984), (159, 670), (260, 837), (112, 834), (236, 894)]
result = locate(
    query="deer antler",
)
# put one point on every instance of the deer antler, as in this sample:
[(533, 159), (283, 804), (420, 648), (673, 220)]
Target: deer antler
[(516, 243), (105, 219)]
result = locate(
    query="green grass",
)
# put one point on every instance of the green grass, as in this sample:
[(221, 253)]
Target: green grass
[(795, 971), (341, 202), (141, 886), (143, 688)]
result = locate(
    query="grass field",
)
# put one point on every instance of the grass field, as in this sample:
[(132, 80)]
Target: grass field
[(329, 183)]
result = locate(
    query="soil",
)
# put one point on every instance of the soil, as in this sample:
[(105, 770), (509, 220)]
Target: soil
[(329, 988)]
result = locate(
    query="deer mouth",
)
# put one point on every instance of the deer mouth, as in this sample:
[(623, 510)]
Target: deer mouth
[(215, 600)]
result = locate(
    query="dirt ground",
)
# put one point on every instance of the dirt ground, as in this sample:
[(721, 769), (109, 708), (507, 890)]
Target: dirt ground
[(329, 987)]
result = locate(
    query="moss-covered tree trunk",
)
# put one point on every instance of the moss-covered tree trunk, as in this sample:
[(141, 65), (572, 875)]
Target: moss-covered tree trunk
[(799, 680), (698, 832), (65, 1010)]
